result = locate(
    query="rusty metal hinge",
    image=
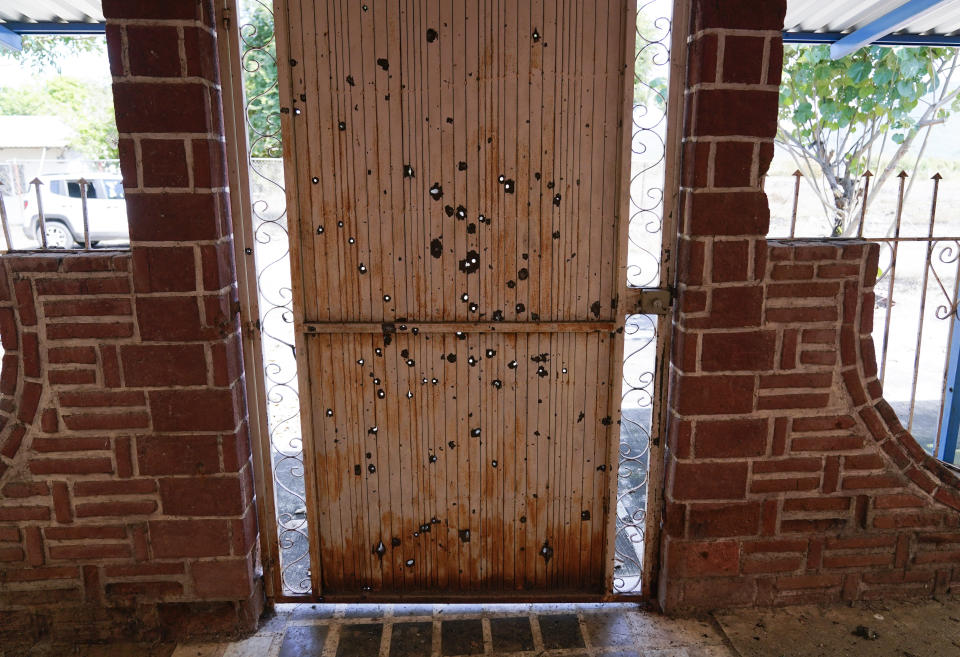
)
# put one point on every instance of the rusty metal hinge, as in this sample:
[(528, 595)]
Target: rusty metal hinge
[(251, 328), (654, 301), (227, 16)]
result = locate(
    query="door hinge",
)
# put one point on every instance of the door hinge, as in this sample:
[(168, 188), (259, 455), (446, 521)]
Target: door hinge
[(226, 16), (251, 328), (654, 301)]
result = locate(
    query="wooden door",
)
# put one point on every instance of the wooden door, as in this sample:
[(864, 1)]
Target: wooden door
[(456, 176)]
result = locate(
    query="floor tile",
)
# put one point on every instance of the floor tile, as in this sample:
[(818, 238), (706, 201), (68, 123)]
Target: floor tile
[(560, 631), (304, 641), (460, 609), (200, 650), (365, 611), (656, 632), (360, 640), (273, 625), (606, 630), (312, 612), (711, 651), (511, 634), (411, 639), (413, 610), (461, 637), (257, 646), (505, 608), (124, 649)]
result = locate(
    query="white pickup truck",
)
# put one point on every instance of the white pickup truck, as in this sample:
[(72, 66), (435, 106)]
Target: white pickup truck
[(63, 213)]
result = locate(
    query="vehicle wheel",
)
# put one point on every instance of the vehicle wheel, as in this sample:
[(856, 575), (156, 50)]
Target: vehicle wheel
[(58, 235)]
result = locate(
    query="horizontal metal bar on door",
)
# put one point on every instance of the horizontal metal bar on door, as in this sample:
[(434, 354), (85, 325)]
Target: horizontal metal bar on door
[(317, 328)]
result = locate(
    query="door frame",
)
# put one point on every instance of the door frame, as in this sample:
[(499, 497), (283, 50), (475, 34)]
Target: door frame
[(659, 301), (230, 49), (633, 300)]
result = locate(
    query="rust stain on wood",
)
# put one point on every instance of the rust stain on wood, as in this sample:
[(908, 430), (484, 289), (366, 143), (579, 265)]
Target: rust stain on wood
[(462, 161)]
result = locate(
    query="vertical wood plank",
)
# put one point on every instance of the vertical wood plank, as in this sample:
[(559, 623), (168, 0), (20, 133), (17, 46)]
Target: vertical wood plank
[(532, 92)]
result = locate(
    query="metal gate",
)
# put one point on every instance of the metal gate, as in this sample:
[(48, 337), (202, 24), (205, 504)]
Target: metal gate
[(457, 178)]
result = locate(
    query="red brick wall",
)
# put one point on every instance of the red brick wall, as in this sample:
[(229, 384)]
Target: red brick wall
[(789, 479), (126, 490), (126, 497)]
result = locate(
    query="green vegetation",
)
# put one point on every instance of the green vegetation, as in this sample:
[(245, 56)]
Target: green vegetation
[(260, 80), (841, 118), (86, 107), (45, 53), (652, 54)]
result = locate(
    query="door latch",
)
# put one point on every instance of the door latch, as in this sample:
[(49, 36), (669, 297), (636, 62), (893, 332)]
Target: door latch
[(654, 301)]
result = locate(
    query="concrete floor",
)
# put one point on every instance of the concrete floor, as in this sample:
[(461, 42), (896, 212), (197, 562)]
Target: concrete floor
[(460, 630), (901, 629)]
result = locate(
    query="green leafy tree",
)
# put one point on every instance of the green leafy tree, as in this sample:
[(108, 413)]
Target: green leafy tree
[(86, 107), (42, 53), (260, 79), (841, 118), (652, 56)]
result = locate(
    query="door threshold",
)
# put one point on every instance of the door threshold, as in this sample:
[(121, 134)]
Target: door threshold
[(549, 597)]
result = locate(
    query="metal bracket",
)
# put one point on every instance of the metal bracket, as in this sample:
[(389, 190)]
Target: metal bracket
[(654, 301), (251, 328)]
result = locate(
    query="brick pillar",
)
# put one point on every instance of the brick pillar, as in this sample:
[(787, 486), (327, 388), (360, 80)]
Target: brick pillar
[(730, 121), (168, 106), (789, 478)]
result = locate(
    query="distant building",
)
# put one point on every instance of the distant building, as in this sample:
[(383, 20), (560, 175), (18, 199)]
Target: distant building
[(30, 145)]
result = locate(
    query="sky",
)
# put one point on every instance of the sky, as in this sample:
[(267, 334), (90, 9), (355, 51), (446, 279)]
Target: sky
[(93, 67)]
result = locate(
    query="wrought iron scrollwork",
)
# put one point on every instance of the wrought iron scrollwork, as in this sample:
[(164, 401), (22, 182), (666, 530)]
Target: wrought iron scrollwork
[(648, 145), (948, 255), (272, 258), (636, 407), (645, 230)]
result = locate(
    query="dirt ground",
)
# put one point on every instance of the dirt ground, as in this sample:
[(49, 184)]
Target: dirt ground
[(897, 629)]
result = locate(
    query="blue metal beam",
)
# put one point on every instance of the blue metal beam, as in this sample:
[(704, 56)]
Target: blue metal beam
[(889, 40), (890, 22), (950, 422), (10, 40), (64, 29)]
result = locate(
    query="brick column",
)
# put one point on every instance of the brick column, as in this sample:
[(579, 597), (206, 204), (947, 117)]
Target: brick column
[(789, 478), (732, 93), (168, 106)]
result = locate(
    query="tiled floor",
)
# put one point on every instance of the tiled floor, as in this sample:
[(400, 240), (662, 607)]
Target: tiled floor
[(871, 629), (462, 630)]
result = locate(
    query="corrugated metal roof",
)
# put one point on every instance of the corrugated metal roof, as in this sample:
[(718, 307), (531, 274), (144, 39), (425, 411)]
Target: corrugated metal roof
[(802, 15), (51, 11), (832, 16)]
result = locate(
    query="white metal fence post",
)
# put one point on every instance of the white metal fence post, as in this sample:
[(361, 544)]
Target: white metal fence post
[(83, 205), (43, 224), (3, 220)]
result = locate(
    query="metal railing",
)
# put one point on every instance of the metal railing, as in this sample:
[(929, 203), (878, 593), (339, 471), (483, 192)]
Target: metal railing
[(41, 218), (916, 312)]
